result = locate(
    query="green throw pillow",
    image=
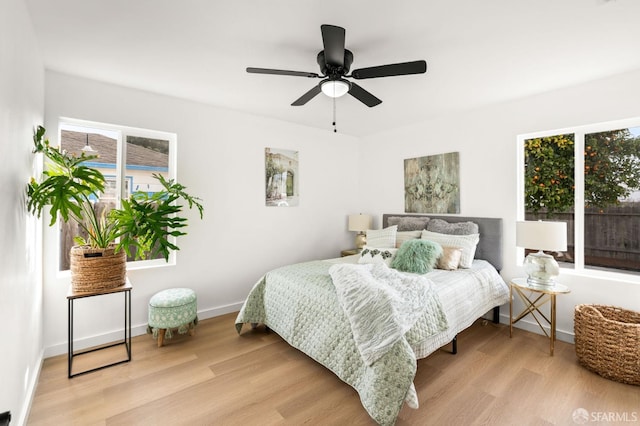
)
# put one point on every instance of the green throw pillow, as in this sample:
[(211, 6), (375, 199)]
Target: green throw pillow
[(417, 256)]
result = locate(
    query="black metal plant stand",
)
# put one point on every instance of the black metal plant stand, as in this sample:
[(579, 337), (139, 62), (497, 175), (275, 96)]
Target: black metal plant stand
[(126, 341)]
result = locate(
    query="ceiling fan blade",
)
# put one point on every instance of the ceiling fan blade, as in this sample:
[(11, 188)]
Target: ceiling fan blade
[(282, 72), (307, 96), (333, 40), (403, 68), (363, 96)]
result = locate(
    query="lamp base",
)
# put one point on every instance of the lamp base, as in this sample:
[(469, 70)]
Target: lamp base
[(361, 240), (541, 269)]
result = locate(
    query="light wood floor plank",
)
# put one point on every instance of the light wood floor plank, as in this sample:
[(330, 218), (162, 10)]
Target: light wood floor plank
[(218, 377)]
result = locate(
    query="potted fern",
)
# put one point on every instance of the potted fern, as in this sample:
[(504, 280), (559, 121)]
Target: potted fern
[(144, 225)]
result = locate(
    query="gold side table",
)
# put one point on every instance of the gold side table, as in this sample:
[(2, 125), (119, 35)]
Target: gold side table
[(537, 297)]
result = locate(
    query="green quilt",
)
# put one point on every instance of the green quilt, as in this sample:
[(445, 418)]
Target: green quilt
[(299, 302)]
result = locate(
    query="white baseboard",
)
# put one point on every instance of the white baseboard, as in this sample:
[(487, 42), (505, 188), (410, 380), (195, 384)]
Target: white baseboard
[(533, 327), (136, 330), (31, 392)]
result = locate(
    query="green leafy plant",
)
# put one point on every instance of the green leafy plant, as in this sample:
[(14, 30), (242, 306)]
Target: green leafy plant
[(144, 222), (549, 171), (611, 170)]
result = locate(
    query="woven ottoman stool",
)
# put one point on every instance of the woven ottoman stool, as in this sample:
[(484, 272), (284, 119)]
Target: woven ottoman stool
[(170, 309)]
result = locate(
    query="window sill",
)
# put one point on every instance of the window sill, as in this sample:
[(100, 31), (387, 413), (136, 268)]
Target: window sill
[(619, 277), (149, 264), (132, 266)]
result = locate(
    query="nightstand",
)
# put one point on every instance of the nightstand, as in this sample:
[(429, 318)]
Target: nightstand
[(349, 252), (535, 296)]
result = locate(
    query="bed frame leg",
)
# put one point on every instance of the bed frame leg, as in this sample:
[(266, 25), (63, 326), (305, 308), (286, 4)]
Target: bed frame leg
[(495, 319), (254, 325)]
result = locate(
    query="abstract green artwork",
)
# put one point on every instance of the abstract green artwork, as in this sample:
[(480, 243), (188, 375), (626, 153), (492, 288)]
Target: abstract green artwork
[(432, 184)]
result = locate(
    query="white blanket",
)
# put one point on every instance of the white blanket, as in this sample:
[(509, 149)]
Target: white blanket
[(382, 304)]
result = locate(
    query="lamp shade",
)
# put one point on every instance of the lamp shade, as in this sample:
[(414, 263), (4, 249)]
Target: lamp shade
[(539, 235), (359, 222)]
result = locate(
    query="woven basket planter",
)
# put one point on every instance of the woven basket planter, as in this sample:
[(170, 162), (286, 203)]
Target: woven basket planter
[(607, 341), (97, 269)]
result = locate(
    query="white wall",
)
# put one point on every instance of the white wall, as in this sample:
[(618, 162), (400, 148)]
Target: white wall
[(220, 159), (486, 140), (21, 108)]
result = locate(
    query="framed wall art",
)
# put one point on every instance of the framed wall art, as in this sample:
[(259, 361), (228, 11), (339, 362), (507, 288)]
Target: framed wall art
[(432, 184), (282, 188)]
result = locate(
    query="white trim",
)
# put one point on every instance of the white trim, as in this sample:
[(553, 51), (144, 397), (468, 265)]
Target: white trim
[(578, 267), (30, 392), (618, 275), (533, 327), (120, 133), (520, 191), (578, 204)]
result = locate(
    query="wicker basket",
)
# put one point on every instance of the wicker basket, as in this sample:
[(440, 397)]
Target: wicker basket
[(608, 341), (97, 269)]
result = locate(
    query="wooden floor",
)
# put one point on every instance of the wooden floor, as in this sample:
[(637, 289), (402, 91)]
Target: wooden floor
[(220, 378)]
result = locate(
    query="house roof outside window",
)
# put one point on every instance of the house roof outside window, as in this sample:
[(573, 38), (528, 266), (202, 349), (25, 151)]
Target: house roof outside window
[(105, 148)]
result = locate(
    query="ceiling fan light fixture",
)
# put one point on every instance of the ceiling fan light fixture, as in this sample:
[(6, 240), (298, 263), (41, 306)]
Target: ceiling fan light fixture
[(335, 88)]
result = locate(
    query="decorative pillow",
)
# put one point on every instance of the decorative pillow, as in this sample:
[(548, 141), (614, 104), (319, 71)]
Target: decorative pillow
[(458, 228), (382, 237), (403, 236), (377, 255), (467, 243), (417, 256), (408, 223), (450, 259)]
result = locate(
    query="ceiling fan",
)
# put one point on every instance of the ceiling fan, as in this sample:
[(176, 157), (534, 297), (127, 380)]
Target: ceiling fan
[(335, 62)]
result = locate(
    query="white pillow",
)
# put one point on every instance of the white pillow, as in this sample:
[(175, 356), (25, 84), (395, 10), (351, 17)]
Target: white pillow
[(403, 236), (382, 237), (377, 255), (467, 243)]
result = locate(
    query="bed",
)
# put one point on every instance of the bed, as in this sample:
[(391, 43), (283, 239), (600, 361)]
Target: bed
[(326, 309)]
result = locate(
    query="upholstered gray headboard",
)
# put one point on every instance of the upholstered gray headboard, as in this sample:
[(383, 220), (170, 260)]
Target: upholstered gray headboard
[(490, 246)]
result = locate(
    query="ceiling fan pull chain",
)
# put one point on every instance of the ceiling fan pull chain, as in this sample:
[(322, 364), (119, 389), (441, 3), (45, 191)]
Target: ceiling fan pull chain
[(334, 116)]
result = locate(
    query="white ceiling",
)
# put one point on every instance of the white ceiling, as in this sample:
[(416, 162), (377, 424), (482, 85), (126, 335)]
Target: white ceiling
[(478, 52)]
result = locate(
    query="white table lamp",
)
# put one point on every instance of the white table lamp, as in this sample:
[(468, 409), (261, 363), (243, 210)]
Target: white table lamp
[(541, 268), (360, 223)]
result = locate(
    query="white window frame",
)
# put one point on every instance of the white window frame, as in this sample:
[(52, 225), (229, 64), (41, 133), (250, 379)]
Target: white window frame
[(579, 133), (122, 133)]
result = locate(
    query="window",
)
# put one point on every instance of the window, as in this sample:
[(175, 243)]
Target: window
[(589, 177), (110, 189), (127, 158)]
